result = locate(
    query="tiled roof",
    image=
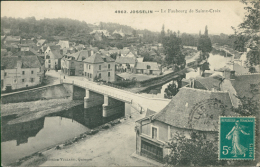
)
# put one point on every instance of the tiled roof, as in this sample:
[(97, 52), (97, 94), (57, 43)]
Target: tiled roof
[(143, 65), (79, 56), (98, 58), (242, 83), (10, 62), (55, 54), (179, 112), (208, 82), (125, 60), (240, 69)]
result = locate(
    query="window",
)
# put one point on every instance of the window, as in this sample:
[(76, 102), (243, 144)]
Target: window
[(99, 67), (15, 81), (49, 61), (90, 75), (154, 133), (148, 67), (108, 74), (31, 72), (5, 74), (32, 79), (23, 72), (89, 66), (108, 66), (99, 75), (85, 74), (23, 80)]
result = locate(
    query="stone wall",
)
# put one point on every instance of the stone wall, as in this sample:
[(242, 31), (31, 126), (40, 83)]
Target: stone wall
[(46, 92)]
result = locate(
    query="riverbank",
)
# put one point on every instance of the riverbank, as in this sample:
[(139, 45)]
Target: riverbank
[(109, 145), (28, 111)]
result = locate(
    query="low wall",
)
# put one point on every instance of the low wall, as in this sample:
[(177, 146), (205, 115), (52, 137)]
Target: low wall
[(45, 92)]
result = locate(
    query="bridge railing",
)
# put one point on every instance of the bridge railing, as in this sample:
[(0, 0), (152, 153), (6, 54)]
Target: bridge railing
[(97, 88)]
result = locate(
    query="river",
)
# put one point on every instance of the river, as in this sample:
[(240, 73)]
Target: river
[(23, 139), (215, 61)]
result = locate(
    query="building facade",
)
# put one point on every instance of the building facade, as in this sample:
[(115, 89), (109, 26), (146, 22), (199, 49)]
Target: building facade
[(53, 58), (20, 72), (100, 67)]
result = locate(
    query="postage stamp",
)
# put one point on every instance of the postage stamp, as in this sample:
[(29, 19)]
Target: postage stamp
[(237, 138)]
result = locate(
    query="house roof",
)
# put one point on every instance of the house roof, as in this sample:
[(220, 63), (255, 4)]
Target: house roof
[(98, 58), (55, 47), (240, 69), (79, 56), (125, 60), (242, 84), (143, 65), (64, 44), (185, 108), (55, 54), (208, 82), (24, 53), (10, 62), (13, 38)]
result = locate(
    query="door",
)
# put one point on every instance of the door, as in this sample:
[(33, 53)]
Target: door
[(151, 151)]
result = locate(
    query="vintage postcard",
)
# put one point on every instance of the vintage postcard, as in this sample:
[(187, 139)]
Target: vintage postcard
[(130, 83)]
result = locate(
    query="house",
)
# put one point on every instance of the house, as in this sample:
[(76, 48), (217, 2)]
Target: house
[(21, 71), (53, 57), (120, 33), (99, 66), (12, 40), (147, 68), (125, 63), (189, 113), (73, 64)]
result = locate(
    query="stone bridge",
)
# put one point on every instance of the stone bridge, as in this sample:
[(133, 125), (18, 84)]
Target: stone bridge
[(112, 99)]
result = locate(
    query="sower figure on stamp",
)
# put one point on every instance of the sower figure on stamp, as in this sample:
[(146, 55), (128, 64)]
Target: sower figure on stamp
[(237, 148)]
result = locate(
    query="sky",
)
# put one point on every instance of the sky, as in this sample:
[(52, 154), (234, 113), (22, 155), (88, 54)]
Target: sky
[(187, 19)]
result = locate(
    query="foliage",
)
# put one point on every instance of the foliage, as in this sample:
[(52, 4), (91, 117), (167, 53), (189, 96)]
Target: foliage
[(249, 105), (204, 45), (119, 45), (195, 151), (171, 91), (172, 48), (114, 56), (247, 34)]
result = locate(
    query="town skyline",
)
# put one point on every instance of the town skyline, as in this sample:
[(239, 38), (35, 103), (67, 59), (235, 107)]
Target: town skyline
[(223, 17)]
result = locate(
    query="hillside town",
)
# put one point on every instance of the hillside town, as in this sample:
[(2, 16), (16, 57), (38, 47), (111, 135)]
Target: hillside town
[(106, 94)]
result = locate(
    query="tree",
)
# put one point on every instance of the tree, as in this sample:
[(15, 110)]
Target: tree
[(248, 31), (162, 35), (195, 151), (172, 48), (204, 45), (134, 33), (171, 91)]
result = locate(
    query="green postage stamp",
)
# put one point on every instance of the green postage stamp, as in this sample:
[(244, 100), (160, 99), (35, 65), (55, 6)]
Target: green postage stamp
[(237, 138)]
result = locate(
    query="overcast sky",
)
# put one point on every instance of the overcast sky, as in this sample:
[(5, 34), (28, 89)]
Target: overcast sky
[(230, 13)]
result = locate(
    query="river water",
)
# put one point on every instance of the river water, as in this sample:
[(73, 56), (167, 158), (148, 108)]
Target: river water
[(215, 61), (23, 139)]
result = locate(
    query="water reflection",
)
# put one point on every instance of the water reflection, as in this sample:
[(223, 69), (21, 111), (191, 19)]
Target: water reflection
[(22, 139)]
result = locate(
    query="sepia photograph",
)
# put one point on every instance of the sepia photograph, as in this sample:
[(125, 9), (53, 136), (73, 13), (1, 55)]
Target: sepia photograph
[(130, 83)]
